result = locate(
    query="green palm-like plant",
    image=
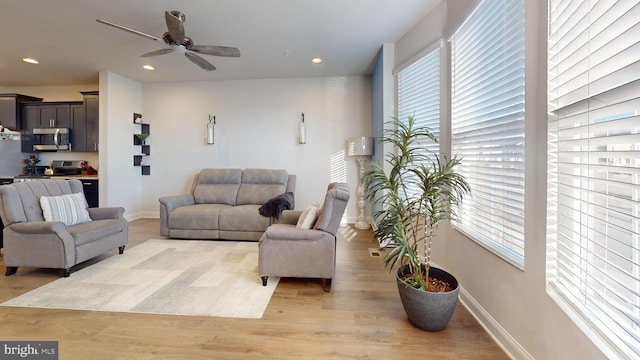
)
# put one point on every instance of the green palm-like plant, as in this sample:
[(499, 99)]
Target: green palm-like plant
[(407, 220), (142, 137)]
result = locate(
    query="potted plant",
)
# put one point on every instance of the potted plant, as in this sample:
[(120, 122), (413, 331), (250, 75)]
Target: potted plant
[(420, 189), (142, 137)]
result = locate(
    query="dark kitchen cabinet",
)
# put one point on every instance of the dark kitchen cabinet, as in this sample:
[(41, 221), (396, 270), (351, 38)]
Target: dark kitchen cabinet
[(90, 188), (54, 116), (85, 123), (29, 122), (78, 128), (10, 114), (82, 117), (46, 115)]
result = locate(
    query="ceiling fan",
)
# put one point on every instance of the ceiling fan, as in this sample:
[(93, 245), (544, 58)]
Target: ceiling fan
[(180, 43)]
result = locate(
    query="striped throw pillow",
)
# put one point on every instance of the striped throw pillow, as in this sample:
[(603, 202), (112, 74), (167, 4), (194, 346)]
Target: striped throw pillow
[(70, 209)]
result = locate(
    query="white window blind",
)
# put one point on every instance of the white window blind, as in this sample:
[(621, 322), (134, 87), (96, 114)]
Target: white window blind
[(593, 212), (419, 96), (487, 118)]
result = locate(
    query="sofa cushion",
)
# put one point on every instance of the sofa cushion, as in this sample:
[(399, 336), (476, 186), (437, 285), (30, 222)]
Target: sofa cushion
[(260, 185), (96, 230), (29, 193), (217, 186), (242, 218), (69, 209), (197, 217)]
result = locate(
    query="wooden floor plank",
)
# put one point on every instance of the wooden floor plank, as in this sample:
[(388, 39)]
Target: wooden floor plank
[(361, 318)]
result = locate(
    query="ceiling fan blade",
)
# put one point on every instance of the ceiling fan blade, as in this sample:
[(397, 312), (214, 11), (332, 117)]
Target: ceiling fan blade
[(199, 61), (158, 52), (175, 25), (130, 30), (215, 50)]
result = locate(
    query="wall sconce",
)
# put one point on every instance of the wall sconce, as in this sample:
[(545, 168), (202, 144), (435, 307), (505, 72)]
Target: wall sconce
[(302, 131), (210, 124)]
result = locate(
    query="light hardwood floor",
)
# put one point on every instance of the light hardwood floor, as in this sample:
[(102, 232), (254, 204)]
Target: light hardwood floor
[(361, 318)]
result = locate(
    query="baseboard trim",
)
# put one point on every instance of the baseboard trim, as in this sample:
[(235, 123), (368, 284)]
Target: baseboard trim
[(141, 215), (499, 334)]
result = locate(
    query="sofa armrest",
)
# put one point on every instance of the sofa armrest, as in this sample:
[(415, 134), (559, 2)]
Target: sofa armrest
[(39, 227), (168, 204), (39, 243), (176, 201), (289, 217), (104, 213)]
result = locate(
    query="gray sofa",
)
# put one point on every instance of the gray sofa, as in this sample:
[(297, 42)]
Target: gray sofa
[(31, 241), (223, 204)]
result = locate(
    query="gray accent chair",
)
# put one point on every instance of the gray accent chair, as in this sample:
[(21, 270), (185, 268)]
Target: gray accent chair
[(224, 204), (287, 251), (30, 241)]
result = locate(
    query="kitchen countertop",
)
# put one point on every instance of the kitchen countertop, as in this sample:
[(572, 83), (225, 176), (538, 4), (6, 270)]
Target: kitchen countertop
[(79, 177)]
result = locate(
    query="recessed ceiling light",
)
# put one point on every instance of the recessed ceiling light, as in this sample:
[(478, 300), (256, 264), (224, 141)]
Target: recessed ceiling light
[(30, 60), (149, 67), (316, 60)]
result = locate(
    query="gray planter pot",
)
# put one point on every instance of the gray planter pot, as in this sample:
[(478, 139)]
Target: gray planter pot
[(426, 310)]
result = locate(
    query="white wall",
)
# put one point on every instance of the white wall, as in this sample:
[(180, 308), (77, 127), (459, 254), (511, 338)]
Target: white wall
[(257, 122), (120, 183), (256, 127), (510, 302)]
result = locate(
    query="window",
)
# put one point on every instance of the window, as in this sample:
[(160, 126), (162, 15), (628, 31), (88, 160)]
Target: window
[(593, 212), (419, 96), (419, 93), (487, 123)]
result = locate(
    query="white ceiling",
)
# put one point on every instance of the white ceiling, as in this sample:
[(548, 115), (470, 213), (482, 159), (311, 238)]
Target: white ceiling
[(277, 38)]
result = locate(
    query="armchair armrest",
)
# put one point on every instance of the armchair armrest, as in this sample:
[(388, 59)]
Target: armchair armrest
[(288, 232), (289, 217), (104, 213)]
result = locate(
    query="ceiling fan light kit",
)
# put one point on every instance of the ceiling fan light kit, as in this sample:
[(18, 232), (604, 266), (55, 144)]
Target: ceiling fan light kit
[(180, 43)]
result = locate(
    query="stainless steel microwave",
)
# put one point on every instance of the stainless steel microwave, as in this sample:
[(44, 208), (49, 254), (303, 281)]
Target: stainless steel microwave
[(51, 139)]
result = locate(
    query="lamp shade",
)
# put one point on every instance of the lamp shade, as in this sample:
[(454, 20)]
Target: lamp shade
[(360, 146)]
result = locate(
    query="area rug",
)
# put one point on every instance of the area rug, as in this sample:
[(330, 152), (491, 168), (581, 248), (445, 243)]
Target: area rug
[(175, 277)]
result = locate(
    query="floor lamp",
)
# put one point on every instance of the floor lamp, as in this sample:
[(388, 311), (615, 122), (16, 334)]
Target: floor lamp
[(361, 148)]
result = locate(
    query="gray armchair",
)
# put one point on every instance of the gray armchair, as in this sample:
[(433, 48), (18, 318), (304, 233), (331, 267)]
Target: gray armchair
[(31, 241), (287, 251)]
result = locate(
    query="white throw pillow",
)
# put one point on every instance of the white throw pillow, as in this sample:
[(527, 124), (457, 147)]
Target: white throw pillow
[(308, 216), (70, 209)]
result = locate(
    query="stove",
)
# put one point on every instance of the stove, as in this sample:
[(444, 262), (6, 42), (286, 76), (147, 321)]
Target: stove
[(66, 167), (57, 168)]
